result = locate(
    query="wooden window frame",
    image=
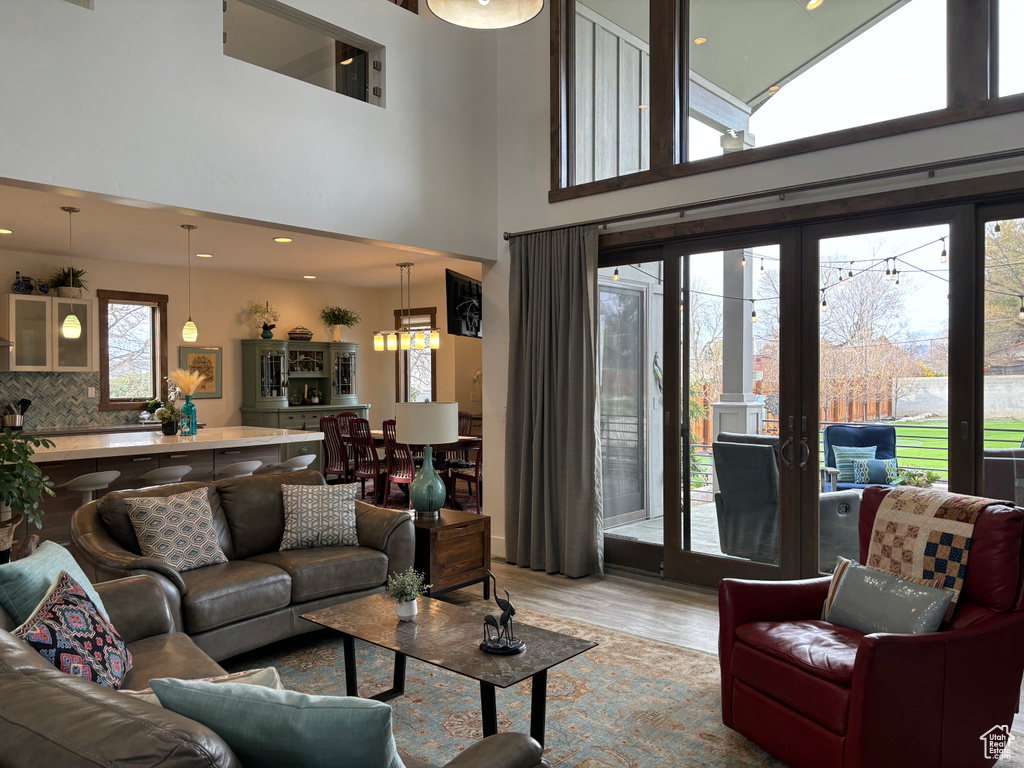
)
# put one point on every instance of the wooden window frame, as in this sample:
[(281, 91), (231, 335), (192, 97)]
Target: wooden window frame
[(159, 303), (403, 355), (971, 87)]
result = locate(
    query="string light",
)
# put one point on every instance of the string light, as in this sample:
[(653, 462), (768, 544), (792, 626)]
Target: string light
[(615, 277), (850, 276), (762, 263), (743, 260), (824, 303), (997, 230), (943, 258), (753, 312), (1020, 312), (895, 273), (888, 272)]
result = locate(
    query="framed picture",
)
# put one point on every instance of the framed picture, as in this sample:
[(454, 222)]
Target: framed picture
[(206, 360)]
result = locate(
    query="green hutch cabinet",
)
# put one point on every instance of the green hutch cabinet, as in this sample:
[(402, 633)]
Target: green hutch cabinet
[(278, 375)]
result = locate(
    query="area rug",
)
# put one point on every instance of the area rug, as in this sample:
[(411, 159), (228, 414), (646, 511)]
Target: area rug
[(629, 703)]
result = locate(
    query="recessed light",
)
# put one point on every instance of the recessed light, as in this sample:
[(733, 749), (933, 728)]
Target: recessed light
[(6, 231), (204, 255), (643, 106), (282, 239), (347, 61), (309, 277), (773, 89), (699, 40), (812, 4)]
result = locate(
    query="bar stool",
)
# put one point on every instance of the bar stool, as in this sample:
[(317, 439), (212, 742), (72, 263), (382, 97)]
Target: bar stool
[(296, 463), (239, 469), (87, 484), (164, 475)]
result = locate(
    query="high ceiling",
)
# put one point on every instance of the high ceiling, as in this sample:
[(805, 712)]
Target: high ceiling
[(140, 233)]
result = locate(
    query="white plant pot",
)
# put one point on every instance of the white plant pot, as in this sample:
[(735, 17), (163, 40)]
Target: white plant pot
[(406, 611), (336, 333), (67, 292)]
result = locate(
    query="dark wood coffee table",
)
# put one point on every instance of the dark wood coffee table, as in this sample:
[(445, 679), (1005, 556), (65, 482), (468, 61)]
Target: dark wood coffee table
[(448, 636)]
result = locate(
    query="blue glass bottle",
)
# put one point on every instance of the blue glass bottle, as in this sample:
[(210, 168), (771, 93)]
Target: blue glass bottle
[(189, 423)]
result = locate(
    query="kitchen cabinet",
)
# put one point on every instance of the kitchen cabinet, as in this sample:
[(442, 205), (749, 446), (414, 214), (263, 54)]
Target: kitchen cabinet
[(34, 328)]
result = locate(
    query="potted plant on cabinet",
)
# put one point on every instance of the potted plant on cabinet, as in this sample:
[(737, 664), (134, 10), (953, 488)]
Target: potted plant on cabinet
[(314, 396), (169, 415), (23, 486), (262, 317), (333, 318), (68, 281), (405, 587)]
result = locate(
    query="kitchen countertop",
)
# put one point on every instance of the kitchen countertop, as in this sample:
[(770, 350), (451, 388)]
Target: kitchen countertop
[(96, 429), (143, 442)]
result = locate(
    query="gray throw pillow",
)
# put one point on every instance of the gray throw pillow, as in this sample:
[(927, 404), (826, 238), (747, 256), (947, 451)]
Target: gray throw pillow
[(319, 516), (177, 530), (870, 601)]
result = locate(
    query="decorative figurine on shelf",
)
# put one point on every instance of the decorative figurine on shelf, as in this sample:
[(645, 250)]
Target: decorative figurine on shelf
[(503, 642)]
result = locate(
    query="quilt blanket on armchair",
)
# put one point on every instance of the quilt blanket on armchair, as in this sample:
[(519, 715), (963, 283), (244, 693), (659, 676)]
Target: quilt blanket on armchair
[(924, 534)]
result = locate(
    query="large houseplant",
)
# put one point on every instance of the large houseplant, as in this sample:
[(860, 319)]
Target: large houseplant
[(23, 486)]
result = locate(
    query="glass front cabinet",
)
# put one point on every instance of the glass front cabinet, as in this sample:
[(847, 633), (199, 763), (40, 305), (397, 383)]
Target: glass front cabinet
[(34, 328), (343, 373), (264, 373)]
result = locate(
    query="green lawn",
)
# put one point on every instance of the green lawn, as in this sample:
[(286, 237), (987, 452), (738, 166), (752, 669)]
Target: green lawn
[(922, 444)]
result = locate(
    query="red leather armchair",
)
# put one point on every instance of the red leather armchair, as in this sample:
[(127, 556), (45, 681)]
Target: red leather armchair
[(816, 694)]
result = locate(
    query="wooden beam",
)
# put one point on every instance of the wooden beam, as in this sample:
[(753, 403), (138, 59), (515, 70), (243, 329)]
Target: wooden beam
[(665, 83), (967, 51)]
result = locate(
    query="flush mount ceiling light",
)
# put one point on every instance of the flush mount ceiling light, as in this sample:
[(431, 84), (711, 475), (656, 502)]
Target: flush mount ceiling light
[(699, 40), (812, 4), (204, 255), (72, 327), (282, 239), (189, 332), (485, 14), (309, 277)]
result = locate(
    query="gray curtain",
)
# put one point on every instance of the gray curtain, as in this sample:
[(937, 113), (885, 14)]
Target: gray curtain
[(552, 439)]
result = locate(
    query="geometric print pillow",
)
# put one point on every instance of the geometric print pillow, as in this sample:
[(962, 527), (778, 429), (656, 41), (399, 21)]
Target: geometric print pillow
[(319, 516), (70, 632), (875, 471), (845, 456), (177, 530)]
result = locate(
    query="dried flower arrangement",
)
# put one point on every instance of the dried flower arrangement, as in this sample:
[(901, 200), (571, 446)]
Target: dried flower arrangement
[(186, 381)]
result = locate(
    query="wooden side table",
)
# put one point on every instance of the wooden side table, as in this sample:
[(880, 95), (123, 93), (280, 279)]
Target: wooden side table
[(453, 550)]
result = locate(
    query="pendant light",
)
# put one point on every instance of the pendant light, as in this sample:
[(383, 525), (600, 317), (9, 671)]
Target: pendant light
[(402, 337), (485, 14), (72, 327), (189, 332)]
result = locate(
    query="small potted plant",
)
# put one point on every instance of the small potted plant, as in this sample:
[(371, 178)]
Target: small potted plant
[(262, 317), (169, 415), (315, 395), (23, 486), (333, 318), (68, 282), (405, 587), (150, 409)]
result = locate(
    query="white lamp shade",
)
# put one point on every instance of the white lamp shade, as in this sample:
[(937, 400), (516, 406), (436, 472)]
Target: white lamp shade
[(494, 14), (426, 423), (72, 327)]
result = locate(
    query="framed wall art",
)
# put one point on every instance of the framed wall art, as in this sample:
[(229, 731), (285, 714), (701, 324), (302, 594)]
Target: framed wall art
[(206, 360)]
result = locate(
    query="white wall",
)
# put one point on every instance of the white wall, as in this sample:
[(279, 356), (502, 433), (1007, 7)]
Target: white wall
[(135, 99)]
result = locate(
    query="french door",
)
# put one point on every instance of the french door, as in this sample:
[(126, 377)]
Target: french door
[(737, 357)]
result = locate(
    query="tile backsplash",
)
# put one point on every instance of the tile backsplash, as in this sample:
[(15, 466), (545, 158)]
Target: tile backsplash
[(60, 399)]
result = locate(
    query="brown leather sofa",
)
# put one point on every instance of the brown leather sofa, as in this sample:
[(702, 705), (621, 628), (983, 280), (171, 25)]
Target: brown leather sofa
[(259, 595), (48, 718)]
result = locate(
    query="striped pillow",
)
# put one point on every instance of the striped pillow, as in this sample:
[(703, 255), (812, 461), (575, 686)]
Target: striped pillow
[(845, 454)]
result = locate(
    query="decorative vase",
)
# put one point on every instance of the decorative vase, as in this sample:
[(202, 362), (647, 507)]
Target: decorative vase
[(169, 428), (267, 334), (407, 611), (427, 491), (189, 423), (336, 333)]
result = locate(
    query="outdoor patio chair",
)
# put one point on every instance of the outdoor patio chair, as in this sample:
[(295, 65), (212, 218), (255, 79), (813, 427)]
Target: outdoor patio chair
[(747, 504), (881, 436)]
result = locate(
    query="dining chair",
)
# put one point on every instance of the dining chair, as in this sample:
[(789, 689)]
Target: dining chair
[(366, 462), (471, 475), (335, 453), (344, 421), (400, 466)]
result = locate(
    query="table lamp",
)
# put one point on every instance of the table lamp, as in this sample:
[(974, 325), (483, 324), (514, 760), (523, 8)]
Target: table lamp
[(427, 424)]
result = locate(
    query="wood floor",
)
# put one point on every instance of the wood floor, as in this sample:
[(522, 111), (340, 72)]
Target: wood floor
[(647, 607)]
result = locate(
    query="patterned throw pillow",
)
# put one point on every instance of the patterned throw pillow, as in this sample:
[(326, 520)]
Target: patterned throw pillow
[(177, 530), (845, 455), (319, 516), (875, 471), (70, 632)]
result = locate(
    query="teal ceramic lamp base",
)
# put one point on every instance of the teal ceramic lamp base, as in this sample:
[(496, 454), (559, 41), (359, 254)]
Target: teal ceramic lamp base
[(427, 491)]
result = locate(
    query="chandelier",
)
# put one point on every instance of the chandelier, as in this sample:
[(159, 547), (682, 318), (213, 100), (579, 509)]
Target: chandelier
[(403, 337)]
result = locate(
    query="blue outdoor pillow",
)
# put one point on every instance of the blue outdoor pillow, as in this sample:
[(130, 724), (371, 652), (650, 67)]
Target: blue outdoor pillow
[(845, 455), (267, 728), (875, 471), (23, 583)]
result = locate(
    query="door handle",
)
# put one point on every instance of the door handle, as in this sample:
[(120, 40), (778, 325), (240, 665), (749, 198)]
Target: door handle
[(782, 453), (805, 453)]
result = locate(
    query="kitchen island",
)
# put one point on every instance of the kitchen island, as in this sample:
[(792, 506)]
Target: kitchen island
[(135, 453)]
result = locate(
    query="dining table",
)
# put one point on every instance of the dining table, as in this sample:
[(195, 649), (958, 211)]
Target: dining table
[(464, 443)]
